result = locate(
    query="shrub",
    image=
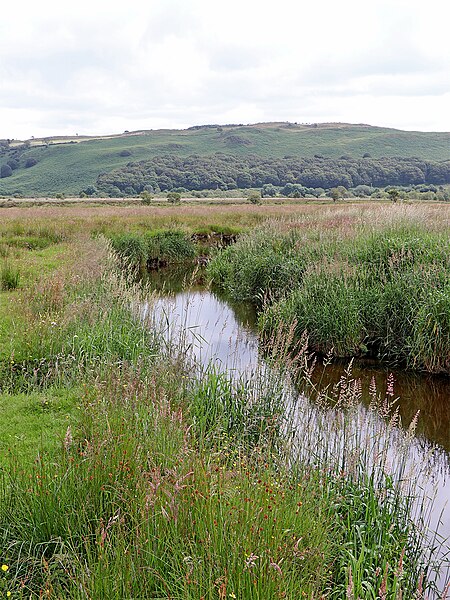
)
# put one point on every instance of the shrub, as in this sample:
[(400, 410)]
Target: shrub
[(5, 171), (13, 163), (30, 162), (254, 198), (174, 197), (146, 197), (89, 191)]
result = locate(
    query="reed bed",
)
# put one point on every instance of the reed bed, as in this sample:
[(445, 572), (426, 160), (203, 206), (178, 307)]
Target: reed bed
[(376, 288)]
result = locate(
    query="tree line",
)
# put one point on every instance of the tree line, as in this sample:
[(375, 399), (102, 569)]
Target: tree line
[(227, 172)]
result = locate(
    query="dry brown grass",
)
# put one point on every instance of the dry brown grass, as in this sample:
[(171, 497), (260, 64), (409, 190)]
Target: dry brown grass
[(82, 218)]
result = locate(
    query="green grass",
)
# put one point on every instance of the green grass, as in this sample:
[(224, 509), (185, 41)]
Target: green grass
[(9, 276), (35, 423), (381, 290), (158, 247), (69, 168)]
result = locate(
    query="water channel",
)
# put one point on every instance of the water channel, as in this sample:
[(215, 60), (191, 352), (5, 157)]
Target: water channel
[(224, 334)]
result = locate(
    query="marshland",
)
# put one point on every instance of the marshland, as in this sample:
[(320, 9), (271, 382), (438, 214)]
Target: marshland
[(274, 424)]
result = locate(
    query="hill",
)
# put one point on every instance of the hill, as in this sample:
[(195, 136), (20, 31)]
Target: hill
[(67, 165)]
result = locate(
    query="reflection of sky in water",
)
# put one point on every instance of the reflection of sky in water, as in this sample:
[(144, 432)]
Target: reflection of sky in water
[(207, 327)]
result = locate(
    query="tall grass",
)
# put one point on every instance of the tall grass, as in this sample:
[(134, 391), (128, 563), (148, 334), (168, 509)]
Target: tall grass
[(73, 322), (9, 276), (154, 247), (379, 290)]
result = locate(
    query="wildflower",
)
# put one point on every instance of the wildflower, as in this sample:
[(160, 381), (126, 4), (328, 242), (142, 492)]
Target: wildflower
[(5, 568), (251, 560), (232, 595), (8, 594)]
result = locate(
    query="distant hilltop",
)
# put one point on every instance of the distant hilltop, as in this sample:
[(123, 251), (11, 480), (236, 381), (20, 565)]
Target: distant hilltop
[(68, 164), (263, 125)]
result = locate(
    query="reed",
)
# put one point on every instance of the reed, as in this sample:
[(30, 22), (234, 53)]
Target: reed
[(159, 247), (9, 276), (380, 290)]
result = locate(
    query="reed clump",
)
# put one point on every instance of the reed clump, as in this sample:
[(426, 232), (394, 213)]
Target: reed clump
[(9, 276), (380, 290), (154, 247)]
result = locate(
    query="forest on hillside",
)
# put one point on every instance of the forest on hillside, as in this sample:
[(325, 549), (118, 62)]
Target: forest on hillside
[(226, 172)]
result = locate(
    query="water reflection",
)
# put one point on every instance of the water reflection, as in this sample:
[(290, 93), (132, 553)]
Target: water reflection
[(428, 395), (206, 326)]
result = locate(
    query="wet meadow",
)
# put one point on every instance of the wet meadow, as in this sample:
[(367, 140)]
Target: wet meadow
[(129, 468)]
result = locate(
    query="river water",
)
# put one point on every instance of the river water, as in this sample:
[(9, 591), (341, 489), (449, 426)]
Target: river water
[(217, 332)]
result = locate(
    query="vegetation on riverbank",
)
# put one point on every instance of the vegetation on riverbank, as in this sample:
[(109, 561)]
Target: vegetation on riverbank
[(142, 477), (381, 289), (155, 248)]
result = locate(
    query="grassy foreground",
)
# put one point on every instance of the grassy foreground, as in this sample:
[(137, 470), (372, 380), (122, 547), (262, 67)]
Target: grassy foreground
[(142, 478)]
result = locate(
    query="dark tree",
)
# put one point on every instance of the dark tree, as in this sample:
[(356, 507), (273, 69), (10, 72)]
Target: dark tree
[(13, 163), (393, 194), (5, 171)]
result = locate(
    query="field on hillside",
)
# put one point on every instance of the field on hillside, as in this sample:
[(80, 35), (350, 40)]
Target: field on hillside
[(72, 166), (130, 471)]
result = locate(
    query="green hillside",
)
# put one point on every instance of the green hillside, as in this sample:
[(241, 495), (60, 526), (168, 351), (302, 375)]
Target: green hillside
[(68, 165)]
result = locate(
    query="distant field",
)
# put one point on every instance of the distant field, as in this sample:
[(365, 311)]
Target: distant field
[(73, 219), (68, 166)]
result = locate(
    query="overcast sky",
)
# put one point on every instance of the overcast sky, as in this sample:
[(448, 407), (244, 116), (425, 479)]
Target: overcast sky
[(93, 67)]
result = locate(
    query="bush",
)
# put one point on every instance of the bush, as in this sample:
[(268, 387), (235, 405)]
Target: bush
[(89, 191), (146, 197), (5, 171), (30, 162), (268, 190), (254, 198), (174, 197), (13, 163)]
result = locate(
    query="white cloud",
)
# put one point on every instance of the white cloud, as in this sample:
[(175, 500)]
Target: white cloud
[(98, 67)]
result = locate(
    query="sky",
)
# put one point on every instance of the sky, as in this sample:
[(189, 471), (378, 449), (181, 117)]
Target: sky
[(98, 67)]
